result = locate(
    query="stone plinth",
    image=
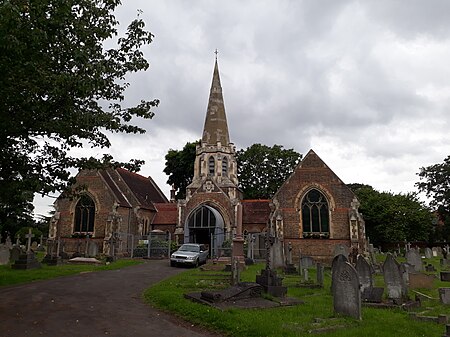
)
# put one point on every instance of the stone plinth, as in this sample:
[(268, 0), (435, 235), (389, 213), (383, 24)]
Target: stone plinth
[(271, 283), (26, 261), (445, 276)]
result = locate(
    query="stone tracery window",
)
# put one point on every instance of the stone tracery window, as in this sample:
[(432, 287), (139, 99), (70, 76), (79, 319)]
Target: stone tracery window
[(225, 166), (84, 215), (315, 215), (211, 165)]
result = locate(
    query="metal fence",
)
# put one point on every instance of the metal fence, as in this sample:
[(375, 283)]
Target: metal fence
[(154, 245)]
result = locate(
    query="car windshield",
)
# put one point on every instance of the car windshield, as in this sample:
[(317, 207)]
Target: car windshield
[(190, 248)]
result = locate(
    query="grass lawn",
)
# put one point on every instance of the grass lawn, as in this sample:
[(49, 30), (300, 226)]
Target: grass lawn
[(9, 276), (315, 313)]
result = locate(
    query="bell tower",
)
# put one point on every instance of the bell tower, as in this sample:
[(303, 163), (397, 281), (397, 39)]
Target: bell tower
[(215, 162)]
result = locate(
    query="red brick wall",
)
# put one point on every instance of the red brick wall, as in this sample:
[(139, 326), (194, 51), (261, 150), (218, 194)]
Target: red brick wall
[(313, 173)]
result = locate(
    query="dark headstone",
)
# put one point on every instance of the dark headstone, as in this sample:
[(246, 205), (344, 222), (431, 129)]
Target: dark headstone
[(15, 253), (26, 261), (319, 274), (430, 268), (373, 295), (445, 276), (393, 279), (346, 293), (52, 260), (271, 283)]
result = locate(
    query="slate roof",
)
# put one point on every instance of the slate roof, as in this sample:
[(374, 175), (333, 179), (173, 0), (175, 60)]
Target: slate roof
[(120, 196), (145, 189), (255, 211), (166, 214)]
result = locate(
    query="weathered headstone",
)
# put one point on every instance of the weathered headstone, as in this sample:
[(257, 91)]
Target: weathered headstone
[(428, 253), (430, 268), (346, 293), (290, 267), (445, 276), (4, 255), (307, 261), (413, 258), (405, 270), (393, 279), (34, 246), (365, 274), (340, 249), (92, 250), (372, 257), (8, 242), (444, 295), (14, 252), (319, 274)]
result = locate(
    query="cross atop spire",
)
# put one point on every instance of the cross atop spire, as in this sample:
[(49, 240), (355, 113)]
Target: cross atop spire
[(216, 52)]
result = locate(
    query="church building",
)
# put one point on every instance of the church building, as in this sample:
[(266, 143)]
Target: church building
[(313, 211)]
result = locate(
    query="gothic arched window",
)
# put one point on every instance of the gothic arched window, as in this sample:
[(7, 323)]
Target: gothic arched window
[(84, 215), (225, 166), (211, 165), (315, 215)]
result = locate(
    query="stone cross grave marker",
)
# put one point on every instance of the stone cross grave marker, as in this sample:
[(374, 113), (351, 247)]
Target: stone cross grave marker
[(29, 236), (428, 253), (18, 240), (346, 293), (413, 258), (393, 279), (365, 275)]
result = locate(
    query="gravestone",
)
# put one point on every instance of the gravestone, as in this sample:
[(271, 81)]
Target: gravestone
[(319, 274), (8, 242), (428, 253), (413, 258), (4, 255), (306, 261), (290, 267), (435, 252), (444, 295), (336, 261), (34, 246), (372, 257), (445, 276), (405, 270), (340, 249), (429, 268), (365, 274), (15, 252), (26, 261), (393, 279), (92, 250), (346, 293)]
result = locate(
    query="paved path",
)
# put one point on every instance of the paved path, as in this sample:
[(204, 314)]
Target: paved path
[(106, 303)]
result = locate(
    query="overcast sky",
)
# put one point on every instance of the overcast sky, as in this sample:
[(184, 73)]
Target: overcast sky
[(366, 84)]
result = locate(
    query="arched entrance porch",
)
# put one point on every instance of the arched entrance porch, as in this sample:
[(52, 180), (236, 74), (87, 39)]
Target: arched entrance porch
[(205, 225)]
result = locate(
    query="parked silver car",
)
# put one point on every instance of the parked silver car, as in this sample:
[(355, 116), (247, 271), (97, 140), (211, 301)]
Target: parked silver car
[(192, 254)]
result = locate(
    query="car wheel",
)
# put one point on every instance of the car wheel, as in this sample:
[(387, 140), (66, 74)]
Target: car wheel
[(197, 263), (172, 264)]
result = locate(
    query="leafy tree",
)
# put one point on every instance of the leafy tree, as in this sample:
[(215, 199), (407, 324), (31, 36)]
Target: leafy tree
[(393, 217), (435, 182), (61, 89), (262, 169), (180, 168)]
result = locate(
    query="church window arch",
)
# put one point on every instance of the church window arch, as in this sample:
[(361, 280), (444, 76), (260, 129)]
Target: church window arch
[(315, 214), (84, 215), (225, 166), (211, 165)]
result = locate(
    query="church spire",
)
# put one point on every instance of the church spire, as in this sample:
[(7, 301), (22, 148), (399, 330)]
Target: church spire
[(216, 127)]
